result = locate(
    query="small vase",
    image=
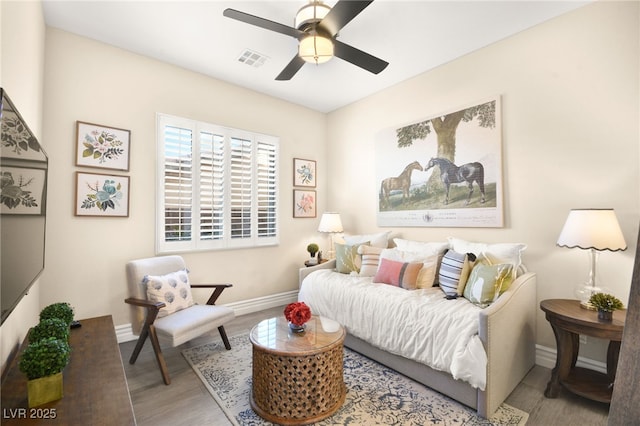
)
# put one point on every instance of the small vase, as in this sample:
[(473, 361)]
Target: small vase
[(296, 328), (605, 315), (45, 389)]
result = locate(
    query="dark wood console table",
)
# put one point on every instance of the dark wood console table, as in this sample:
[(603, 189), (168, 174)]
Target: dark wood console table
[(95, 386), (569, 321)]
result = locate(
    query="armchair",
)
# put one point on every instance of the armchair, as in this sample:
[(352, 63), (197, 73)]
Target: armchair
[(164, 310)]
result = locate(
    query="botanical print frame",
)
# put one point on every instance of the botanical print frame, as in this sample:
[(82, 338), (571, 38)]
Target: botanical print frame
[(101, 195), (304, 203), (23, 190), (442, 171), (304, 173), (102, 146)]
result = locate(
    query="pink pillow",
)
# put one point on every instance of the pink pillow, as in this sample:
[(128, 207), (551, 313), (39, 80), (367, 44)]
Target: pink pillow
[(399, 274)]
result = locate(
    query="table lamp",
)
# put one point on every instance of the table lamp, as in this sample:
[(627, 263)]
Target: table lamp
[(331, 223), (594, 230)]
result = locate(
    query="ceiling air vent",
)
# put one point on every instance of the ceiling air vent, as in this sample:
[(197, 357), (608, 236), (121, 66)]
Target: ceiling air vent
[(252, 58)]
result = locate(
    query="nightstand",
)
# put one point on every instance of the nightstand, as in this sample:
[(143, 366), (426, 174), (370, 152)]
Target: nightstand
[(569, 321)]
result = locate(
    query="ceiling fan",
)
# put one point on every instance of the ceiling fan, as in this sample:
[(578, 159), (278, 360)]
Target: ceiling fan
[(316, 27)]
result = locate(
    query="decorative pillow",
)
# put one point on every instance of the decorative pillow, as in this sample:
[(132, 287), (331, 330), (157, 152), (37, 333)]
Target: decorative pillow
[(376, 240), (454, 272), (428, 273), (491, 254), (399, 274), (370, 260), (347, 258), (429, 249), (485, 283), (173, 289)]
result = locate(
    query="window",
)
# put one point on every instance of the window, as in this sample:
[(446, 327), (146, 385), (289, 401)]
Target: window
[(217, 187)]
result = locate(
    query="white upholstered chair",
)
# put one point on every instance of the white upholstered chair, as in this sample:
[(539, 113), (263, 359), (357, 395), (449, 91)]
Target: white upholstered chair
[(153, 316)]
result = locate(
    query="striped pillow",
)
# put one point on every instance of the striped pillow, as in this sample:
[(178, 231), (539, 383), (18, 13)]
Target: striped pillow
[(399, 274), (454, 272), (370, 260)]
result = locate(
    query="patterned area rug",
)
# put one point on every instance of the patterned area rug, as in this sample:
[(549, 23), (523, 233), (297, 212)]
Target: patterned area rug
[(375, 393)]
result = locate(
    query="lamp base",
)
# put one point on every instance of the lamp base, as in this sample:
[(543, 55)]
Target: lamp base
[(587, 305), (584, 293)]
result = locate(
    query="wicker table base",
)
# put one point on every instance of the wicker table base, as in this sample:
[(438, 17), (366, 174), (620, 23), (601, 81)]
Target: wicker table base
[(297, 378)]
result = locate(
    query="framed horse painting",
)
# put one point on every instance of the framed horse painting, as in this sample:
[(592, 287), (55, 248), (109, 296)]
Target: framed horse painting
[(444, 170)]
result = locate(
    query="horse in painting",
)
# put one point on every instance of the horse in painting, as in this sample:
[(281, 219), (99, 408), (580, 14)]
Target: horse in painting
[(467, 173), (402, 182)]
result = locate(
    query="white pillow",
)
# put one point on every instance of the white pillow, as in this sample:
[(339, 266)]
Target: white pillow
[(173, 289), (491, 254), (375, 240), (429, 249)]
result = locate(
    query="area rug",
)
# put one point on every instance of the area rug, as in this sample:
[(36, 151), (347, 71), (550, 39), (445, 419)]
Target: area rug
[(375, 393)]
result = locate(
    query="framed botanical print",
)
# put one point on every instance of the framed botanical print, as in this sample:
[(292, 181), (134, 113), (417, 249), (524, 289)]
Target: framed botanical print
[(102, 146), (304, 173), (101, 195), (304, 203)]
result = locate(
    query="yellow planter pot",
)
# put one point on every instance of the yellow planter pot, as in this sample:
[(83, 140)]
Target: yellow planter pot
[(45, 389)]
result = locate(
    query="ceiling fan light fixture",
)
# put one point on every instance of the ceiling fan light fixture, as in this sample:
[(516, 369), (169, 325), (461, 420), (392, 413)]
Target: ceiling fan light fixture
[(310, 14), (316, 49)]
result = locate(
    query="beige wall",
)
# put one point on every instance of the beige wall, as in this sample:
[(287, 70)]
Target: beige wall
[(570, 126), (97, 83), (22, 37)]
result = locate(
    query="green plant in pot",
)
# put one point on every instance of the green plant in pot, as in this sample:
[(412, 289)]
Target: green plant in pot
[(50, 327), (42, 362), (313, 249), (605, 304), (61, 310)]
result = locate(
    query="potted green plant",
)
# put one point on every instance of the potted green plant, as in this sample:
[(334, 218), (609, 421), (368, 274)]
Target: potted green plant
[(61, 310), (50, 327), (605, 304), (312, 249), (42, 362)]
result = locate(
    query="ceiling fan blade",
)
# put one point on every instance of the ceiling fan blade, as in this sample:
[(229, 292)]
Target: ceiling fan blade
[(341, 14), (263, 23), (358, 57), (291, 69)]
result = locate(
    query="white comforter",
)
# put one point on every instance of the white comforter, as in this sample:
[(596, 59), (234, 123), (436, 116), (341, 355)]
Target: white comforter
[(419, 324)]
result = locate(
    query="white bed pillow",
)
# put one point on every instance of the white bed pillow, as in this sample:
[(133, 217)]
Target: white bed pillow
[(380, 239), (428, 248), (491, 253)]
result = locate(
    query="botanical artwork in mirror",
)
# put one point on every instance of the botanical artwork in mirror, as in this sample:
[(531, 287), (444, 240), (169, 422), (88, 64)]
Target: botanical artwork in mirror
[(23, 198)]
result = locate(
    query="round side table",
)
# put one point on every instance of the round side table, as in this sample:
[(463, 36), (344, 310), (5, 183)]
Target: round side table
[(297, 377), (568, 321)]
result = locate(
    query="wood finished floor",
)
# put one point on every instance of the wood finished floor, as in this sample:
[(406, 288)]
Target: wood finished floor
[(187, 402)]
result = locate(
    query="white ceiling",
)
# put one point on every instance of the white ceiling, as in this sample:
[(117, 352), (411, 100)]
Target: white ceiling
[(413, 36)]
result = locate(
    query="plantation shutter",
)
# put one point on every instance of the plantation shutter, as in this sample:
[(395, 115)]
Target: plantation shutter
[(178, 183), (218, 187), (267, 190)]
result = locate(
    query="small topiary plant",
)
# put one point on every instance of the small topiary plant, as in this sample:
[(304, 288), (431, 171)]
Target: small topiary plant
[(61, 310), (44, 358), (313, 249), (50, 327), (605, 302)]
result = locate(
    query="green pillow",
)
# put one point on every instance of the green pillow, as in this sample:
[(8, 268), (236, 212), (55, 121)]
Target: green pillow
[(486, 282), (347, 258)]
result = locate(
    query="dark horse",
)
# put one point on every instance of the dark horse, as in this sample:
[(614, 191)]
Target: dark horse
[(467, 173)]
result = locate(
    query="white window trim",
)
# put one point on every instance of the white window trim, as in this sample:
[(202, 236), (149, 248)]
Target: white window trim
[(226, 242)]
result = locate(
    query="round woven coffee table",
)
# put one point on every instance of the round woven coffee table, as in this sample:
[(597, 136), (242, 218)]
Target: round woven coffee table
[(297, 377)]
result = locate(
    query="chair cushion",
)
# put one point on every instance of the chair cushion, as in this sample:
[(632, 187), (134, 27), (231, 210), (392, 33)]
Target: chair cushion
[(173, 289), (192, 322)]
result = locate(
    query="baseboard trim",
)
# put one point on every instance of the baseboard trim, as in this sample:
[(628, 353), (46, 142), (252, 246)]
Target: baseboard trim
[(124, 332), (546, 357)]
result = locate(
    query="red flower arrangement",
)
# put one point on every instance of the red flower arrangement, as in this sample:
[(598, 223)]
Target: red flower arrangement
[(297, 313)]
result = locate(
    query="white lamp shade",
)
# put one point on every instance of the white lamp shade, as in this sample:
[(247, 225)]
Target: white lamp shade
[(315, 49), (596, 229), (330, 222)]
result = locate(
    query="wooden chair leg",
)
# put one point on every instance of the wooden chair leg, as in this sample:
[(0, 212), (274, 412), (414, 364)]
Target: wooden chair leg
[(223, 334), (159, 357), (144, 333)]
